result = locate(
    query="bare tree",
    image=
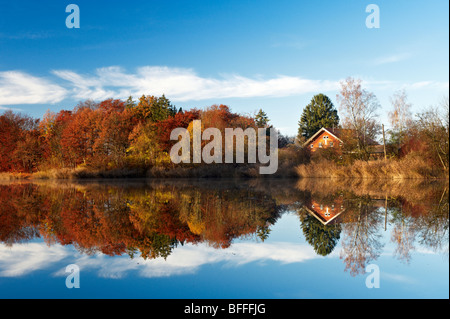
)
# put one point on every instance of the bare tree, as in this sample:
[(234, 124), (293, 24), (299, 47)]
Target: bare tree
[(358, 108), (434, 129), (400, 117)]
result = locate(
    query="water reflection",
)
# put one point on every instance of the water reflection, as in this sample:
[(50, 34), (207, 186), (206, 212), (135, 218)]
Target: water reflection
[(151, 219)]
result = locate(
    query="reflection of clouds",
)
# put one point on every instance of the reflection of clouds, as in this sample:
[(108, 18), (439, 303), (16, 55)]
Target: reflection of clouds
[(23, 259), (191, 257), (398, 278)]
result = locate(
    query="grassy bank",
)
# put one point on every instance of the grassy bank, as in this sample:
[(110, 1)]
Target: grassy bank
[(409, 167), (288, 159), (5, 176)]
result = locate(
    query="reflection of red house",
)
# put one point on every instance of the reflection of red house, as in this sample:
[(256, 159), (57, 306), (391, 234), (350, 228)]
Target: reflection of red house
[(326, 212)]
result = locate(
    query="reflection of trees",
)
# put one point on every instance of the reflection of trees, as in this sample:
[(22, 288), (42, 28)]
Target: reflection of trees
[(361, 237), (17, 217), (150, 221), (323, 238), (403, 233), (417, 213), (423, 222), (433, 227)]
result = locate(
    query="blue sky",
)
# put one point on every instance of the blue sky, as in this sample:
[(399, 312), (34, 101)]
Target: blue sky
[(273, 55)]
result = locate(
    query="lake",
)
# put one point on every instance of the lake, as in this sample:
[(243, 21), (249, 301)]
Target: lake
[(262, 238)]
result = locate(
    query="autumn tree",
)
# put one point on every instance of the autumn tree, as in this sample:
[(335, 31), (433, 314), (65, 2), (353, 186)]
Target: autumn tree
[(144, 146), (17, 133), (434, 130), (28, 150), (358, 107), (79, 136), (165, 127), (261, 119), (51, 128), (400, 117), (115, 123), (153, 108)]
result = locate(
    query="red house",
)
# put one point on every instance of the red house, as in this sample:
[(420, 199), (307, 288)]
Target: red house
[(324, 138), (333, 138)]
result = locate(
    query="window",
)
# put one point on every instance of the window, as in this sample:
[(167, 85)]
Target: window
[(320, 144), (331, 143), (312, 145)]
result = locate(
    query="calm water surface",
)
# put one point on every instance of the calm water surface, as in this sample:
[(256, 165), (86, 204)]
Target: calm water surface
[(224, 239)]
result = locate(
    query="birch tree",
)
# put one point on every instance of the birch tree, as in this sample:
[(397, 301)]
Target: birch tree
[(358, 108)]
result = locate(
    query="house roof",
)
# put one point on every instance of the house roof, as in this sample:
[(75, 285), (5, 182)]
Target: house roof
[(320, 218), (338, 133), (323, 129)]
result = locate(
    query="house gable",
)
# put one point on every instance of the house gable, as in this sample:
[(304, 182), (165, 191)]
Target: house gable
[(325, 212), (323, 138)]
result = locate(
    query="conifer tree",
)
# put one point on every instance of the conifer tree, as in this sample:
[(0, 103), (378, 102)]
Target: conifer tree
[(320, 112)]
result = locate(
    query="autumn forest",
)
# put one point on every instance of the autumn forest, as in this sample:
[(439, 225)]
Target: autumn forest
[(117, 138)]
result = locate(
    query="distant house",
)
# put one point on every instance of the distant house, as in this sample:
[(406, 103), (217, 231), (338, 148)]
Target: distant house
[(324, 138), (334, 138), (326, 212)]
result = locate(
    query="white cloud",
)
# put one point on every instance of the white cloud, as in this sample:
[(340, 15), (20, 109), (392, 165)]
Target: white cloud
[(21, 88), (178, 84), (22, 259), (427, 85), (392, 58), (181, 84), (398, 278)]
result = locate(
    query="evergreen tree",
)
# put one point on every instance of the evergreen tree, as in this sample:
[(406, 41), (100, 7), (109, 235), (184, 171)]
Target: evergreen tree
[(323, 238), (130, 104), (320, 112), (154, 108), (261, 119)]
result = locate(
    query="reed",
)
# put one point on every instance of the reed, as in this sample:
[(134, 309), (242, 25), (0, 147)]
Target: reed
[(409, 167)]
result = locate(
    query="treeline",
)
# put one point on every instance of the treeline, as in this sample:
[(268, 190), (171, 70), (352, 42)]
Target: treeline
[(111, 138), (414, 145), (149, 222)]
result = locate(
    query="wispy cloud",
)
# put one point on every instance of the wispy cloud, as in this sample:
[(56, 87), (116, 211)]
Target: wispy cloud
[(427, 85), (179, 84), (288, 41), (17, 87), (392, 58), (398, 278), (9, 108), (36, 35), (23, 259), (183, 84)]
